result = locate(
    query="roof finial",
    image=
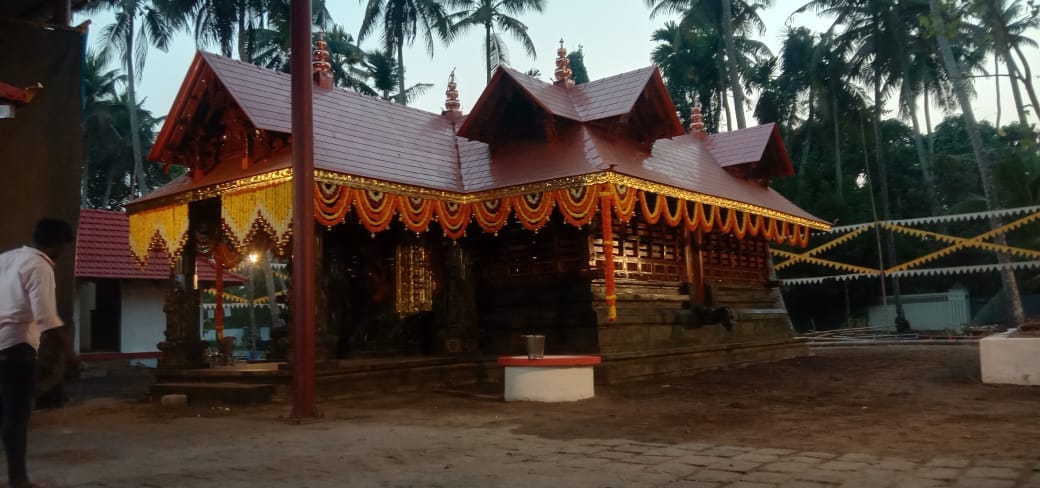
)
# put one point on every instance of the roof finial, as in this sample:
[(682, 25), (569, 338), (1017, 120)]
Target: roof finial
[(696, 120), (320, 63), (563, 68), (452, 104)]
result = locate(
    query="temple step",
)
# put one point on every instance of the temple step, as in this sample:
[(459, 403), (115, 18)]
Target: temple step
[(217, 393)]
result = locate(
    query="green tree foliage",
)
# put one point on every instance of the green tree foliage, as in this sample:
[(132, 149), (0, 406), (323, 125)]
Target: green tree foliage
[(495, 17), (401, 21), (578, 70)]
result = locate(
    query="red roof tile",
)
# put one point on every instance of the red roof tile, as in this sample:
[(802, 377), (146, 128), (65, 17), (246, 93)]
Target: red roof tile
[(103, 251), (749, 146)]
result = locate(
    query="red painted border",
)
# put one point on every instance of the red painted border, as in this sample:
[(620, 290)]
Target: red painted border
[(549, 361)]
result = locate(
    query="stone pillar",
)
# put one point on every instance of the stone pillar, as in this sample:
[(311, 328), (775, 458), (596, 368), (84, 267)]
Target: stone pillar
[(183, 348)]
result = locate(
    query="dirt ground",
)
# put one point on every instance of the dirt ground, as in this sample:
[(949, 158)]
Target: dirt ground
[(904, 401), (909, 400)]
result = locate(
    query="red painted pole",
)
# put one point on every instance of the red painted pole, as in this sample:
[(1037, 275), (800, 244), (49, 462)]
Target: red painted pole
[(303, 313)]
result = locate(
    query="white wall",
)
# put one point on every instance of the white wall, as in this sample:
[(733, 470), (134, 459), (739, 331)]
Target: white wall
[(926, 311), (84, 304), (143, 320)]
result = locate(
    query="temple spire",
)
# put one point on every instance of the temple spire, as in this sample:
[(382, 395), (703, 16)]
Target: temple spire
[(696, 119), (321, 66), (563, 68), (452, 105)]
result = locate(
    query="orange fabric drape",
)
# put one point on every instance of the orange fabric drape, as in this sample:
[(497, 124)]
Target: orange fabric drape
[(606, 218)]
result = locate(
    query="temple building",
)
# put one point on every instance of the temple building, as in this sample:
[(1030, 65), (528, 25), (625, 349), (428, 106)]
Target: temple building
[(586, 213)]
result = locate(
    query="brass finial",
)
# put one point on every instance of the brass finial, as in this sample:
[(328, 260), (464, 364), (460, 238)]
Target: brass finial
[(452, 104), (696, 119), (320, 63), (563, 68)]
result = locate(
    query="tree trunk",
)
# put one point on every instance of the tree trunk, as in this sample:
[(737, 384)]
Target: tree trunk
[(131, 107), (84, 182), (1027, 81), (401, 97), (838, 172), (922, 153), (873, 210), (243, 49), (1007, 276), (487, 49), (110, 177), (1016, 93), (729, 115), (928, 125), (731, 63), (996, 85), (890, 243)]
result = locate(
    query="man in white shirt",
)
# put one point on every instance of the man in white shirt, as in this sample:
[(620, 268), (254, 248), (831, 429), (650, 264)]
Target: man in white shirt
[(27, 308)]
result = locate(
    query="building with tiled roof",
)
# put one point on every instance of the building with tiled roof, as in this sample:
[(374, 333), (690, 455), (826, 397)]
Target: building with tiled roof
[(583, 212), (119, 304)]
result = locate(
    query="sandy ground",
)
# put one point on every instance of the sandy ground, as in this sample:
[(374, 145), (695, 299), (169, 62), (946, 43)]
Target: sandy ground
[(911, 401)]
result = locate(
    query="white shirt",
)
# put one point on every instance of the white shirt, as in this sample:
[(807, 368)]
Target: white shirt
[(27, 303)]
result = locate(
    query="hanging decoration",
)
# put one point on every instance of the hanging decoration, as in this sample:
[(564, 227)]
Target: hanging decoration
[(163, 229), (533, 209), (265, 209), (608, 252), (577, 205), (331, 203), (268, 209)]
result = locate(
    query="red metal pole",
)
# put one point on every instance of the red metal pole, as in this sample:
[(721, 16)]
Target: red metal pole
[(303, 313)]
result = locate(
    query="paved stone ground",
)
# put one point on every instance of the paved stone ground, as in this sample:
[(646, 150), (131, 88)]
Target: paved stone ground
[(255, 450)]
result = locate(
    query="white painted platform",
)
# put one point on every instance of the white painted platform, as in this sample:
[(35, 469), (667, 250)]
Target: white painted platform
[(549, 379), (1010, 360)]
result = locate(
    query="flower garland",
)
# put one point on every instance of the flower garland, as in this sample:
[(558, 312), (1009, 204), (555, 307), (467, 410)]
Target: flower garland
[(608, 252), (163, 228)]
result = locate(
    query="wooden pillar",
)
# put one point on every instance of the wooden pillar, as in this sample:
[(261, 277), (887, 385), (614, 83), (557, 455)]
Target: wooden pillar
[(303, 368), (183, 348), (697, 268)]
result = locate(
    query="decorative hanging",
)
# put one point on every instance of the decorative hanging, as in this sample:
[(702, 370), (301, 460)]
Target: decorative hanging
[(375, 209), (416, 213), (331, 203), (577, 205), (267, 209), (608, 252), (625, 199), (453, 217), (533, 209), (163, 228), (492, 215)]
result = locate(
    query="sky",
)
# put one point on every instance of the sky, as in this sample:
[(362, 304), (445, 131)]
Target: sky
[(614, 34)]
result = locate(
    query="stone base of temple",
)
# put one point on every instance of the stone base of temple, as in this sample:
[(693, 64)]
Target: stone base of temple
[(622, 367)]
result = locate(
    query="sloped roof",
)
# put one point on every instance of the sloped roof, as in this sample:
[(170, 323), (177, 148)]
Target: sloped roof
[(749, 146), (365, 136), (103, 251)]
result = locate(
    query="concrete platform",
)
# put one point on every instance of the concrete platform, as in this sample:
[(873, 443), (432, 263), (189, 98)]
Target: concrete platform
[(549, 379), (1010, 360)]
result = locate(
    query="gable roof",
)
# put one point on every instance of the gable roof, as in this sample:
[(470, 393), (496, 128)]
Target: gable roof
[(363, 136), (103, 251), (750, 146)]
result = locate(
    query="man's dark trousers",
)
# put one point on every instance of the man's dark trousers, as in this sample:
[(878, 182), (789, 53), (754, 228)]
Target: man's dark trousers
[(17, 386)]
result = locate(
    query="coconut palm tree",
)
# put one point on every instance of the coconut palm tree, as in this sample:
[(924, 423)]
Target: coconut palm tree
[(385, 76), (1001, 28), (138, 25), (496, 17), (731, 19), (936, 23), (690, 68), (401, 21), (99, 96)]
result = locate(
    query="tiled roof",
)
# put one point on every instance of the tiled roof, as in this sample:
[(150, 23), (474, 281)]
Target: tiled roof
[(103, 251), (365, 136), (740, 146)]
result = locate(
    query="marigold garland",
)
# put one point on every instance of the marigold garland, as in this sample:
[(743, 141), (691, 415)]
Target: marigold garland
[(625, 199), (533, 209), (608, 252), (492, 215), (415, 213), (375, 209), (266, 209), (577, 205), (453, 217), (332, 203), (163, 229)]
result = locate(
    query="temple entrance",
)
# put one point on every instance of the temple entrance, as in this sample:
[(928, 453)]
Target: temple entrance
[(379, 291)]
